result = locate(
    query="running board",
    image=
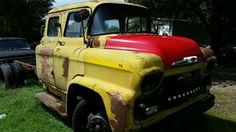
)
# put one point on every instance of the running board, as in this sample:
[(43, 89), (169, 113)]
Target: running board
[(52, 102)]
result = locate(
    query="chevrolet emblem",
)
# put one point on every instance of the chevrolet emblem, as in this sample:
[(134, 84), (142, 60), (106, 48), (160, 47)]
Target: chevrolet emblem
[(186, 61)]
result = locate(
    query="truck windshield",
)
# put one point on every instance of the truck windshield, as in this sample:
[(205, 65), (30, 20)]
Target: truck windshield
[(115, 18), (13, 44)]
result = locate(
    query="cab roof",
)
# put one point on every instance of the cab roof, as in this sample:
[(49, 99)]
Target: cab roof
[(91, 3)]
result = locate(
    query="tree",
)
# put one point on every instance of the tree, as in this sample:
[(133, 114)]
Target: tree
[(23, 18), (215, 15)]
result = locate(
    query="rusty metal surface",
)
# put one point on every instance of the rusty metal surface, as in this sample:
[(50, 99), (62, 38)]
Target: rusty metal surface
[(96, 42), (121, 112), (27, 67), (65, 67), (52, 102), (45, 62)]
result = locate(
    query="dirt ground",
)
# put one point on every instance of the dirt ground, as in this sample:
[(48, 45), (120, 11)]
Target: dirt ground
[(225, 103)]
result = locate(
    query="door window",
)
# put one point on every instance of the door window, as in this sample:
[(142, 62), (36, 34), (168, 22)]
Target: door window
[(52, 27)]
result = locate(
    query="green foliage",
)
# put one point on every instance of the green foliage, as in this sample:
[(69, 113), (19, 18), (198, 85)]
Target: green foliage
[(193, 10), (23, 18), (215, 15)]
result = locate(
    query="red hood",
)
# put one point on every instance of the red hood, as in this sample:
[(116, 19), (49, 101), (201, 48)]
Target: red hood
[(169, 48)]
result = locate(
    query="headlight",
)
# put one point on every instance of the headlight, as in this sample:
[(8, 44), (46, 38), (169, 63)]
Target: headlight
[(151, 82)]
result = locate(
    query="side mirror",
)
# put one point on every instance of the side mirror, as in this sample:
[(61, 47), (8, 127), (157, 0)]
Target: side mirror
[(81, 15), (42, 30)]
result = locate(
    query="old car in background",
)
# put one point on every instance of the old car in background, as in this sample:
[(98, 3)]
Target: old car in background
[(12, 51)]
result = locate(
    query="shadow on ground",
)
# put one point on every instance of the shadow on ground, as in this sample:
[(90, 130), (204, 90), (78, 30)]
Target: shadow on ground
[(201, 123), (223, 73), (65, 121)]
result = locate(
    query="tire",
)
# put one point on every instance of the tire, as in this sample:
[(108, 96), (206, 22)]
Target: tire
[(87, 118), (6, 76), (18, 75)]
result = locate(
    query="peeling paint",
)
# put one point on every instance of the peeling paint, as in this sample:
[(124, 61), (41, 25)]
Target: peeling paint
[(121, 111), (96, 42), (46, 70), (207, 52), (46, 51), (65, 67)]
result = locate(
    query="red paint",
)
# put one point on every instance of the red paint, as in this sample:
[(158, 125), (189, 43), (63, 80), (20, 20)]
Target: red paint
[(169, 48)]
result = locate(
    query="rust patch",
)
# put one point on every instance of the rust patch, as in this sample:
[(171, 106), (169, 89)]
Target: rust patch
[(121, 112), (207, 52), (52, 102), (45, 69), (46, 51), (96, 42), (65, 67)]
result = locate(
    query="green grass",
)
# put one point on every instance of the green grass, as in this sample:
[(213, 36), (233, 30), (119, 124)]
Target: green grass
[(24, 113)]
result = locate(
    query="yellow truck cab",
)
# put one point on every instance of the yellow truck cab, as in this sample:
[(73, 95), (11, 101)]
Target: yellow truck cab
[(103, 68)]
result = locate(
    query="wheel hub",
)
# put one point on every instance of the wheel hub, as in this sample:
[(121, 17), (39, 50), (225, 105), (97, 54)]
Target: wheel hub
[(97, 123)]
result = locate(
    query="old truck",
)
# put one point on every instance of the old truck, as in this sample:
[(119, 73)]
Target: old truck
[(103, 68), (13, 53)]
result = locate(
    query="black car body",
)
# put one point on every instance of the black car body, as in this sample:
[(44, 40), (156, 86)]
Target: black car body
[(16, 49)]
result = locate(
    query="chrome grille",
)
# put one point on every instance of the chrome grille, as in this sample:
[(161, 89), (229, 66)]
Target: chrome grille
[(179, 88)]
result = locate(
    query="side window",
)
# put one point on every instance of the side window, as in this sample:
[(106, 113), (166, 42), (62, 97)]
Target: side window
[(52, 28), (73, 28)]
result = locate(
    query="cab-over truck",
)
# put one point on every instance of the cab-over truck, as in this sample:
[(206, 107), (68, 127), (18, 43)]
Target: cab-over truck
[(104, 69)]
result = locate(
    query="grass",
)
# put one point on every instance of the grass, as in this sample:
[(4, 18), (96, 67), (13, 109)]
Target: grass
[(26, 114)]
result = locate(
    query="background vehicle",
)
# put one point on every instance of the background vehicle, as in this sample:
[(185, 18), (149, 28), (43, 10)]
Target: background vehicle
[(13, 53), (102, 67)]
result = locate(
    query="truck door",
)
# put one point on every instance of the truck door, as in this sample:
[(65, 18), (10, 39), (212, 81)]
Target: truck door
[(44, 51), (68, 47)]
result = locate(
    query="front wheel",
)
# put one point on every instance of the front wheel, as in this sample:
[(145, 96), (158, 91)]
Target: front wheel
[(88, 118)]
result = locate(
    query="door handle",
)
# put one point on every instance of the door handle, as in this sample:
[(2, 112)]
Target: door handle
[(61, 43)]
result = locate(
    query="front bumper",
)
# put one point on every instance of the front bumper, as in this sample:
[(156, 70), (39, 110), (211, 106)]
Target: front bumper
[(198, 104)]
